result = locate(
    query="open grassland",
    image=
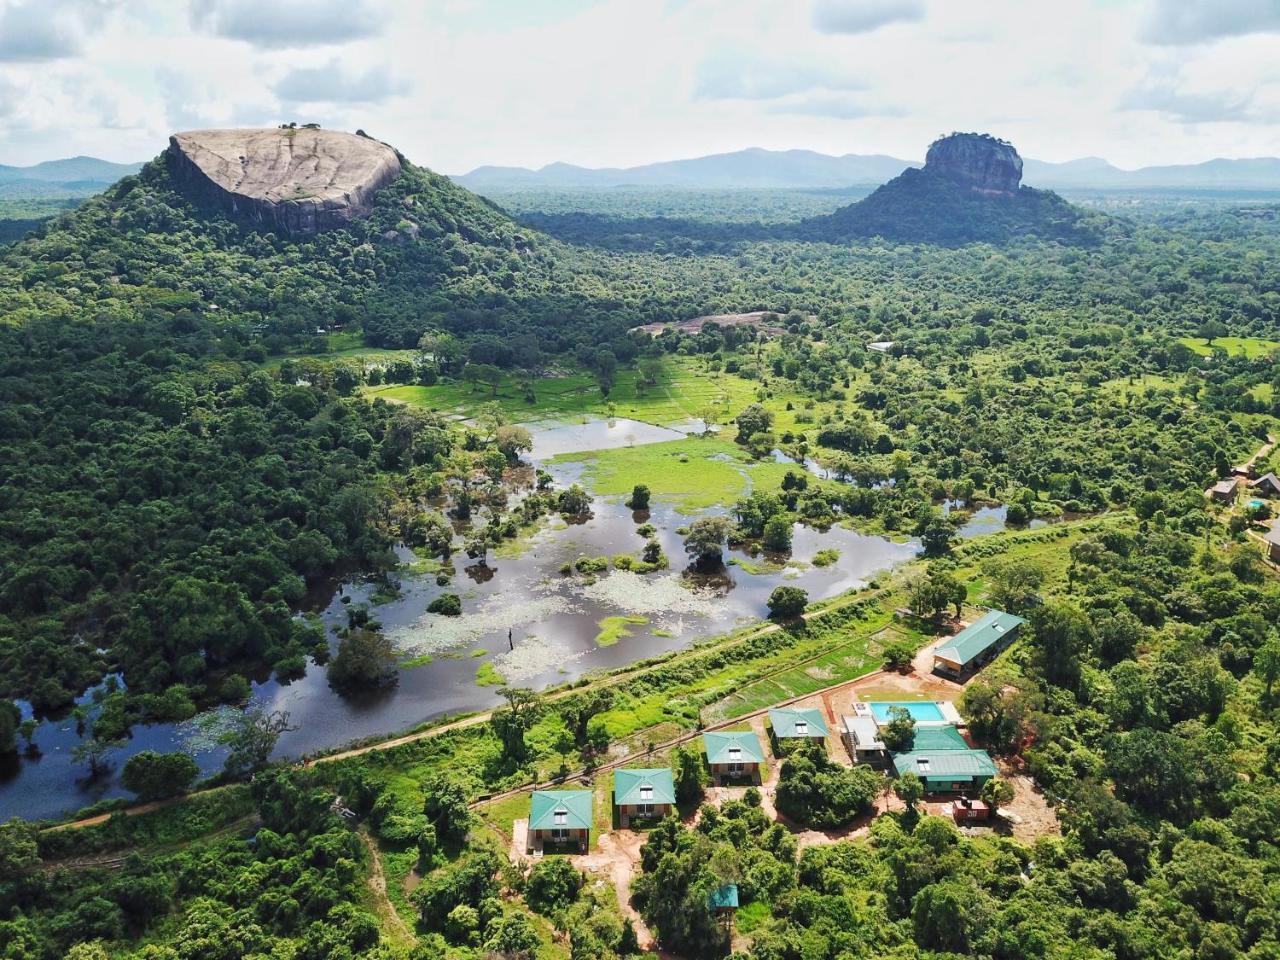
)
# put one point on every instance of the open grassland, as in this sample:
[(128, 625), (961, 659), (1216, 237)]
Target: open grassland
[(698, 472), (685, 389), (682, 391), (1249, 347)]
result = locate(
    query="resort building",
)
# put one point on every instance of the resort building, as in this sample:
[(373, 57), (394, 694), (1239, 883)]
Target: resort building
[(1272, 540), (733, 755), (1224, 491), (861, 737), (559, 818), (798, 723), (977, 644), (643, 794), (1268, 485), (944, 761)]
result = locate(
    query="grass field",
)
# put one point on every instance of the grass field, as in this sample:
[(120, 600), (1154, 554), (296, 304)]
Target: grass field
[(1137, 386), (1248, 347), (686, 389), (682, 392), (697, 472)]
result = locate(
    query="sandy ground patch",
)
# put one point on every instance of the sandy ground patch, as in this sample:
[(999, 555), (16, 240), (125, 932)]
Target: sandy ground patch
[(1036, 818), (616, 860)]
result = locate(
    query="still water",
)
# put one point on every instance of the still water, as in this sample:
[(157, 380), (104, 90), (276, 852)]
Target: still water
[(536, 627)]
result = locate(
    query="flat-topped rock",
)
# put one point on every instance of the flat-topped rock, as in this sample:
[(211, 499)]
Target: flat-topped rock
[(299, 181), (978, 161)]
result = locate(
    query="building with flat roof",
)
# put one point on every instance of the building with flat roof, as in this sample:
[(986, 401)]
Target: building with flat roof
[(643, 793), (733, 754), (861, 737), (977, 644), (1224, 491), (559, 817)]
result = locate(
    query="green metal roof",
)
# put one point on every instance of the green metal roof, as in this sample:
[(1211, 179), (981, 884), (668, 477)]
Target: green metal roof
[(735, 746), (938, 738), (979, 637), (797, 722), (945, 764), (560, 809), (629, 786), (725, 896)]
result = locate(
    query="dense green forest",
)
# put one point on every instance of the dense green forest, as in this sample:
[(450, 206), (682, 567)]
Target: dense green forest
[(183, 461)]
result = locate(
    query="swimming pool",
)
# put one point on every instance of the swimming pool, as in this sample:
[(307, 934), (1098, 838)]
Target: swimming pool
[(921, 711)]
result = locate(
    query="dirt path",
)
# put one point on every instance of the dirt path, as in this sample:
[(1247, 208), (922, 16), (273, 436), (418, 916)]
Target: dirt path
[(616, 859), (390, 917), (1261, 452), (114, 859)]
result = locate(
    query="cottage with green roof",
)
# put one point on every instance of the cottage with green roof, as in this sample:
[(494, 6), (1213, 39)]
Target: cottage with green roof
[(977, 644), (559, 817), (643, 793), (797, 723), (944, 761), (733, 754), (723, 900)]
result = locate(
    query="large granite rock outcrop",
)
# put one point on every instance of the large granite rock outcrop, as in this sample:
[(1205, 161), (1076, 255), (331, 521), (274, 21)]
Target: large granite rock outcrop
[(977, 161), (297, 181)]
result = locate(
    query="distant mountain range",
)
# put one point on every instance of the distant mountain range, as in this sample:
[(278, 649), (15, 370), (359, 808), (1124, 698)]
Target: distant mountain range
[(71, 170), (757, 168)]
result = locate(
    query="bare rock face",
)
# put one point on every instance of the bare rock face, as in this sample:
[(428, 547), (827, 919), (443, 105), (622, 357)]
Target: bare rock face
[(297, 181), (978, 161)]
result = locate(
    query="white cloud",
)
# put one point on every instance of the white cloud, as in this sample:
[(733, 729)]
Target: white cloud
[(1180, 22), (332, 82), (863, 16), (279, 24), (1186, 106), (32, 31), (740, 76), (836, 106), (620, 82)]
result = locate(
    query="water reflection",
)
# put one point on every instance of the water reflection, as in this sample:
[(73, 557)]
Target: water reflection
[(517, 600)]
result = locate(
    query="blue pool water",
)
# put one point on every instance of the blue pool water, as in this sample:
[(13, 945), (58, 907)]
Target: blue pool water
[(919, 710)]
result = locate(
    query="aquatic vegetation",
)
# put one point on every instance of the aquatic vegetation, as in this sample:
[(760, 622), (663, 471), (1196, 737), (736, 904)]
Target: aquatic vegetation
[(613, 629)]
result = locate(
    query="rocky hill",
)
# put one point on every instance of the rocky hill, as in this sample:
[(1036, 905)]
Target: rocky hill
[(969, 190), (978, 162), (298, 181)]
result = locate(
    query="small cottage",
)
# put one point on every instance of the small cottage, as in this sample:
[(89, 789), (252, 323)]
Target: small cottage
[(723, 901), (1224, 491), (733, 755), (796, 724), (559, 818), (1272, 540), (1268, 485), (642, 794)]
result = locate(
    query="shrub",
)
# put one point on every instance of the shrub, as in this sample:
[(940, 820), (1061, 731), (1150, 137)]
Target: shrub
[(787, 603), (553, 885), (898, 656), (447, 604), (153, 775)]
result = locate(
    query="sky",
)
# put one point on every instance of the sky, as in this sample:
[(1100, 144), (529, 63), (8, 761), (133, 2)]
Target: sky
[(455, 84)]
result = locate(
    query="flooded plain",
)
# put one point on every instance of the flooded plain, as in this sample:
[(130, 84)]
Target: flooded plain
[(521, 617)]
